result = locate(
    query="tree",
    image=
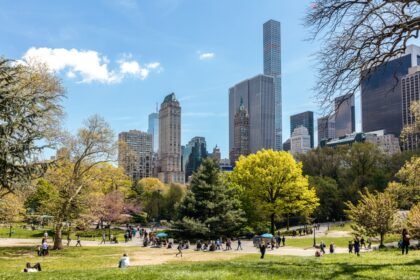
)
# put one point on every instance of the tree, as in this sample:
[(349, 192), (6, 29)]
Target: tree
[(274, 183), (330, 200), (11, 209), (407, 191), (357, 36), (44, 199), (93, 145), (373, 215), (210, 208), (412, 130), (151, 193), (323, 162), (413, 221), (29, 116), (172, 198)]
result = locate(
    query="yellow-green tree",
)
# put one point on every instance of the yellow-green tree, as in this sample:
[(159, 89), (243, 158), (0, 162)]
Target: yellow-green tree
[(272, 182), (151, 192), (413, 221)]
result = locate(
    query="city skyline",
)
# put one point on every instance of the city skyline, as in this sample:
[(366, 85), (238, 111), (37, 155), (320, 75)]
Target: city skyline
[(108, 70)]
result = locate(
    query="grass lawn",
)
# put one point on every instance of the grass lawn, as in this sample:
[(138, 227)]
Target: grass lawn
[(100, 263)]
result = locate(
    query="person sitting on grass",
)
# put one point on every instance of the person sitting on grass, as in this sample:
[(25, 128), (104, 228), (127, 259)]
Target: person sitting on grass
[(318, 254), (124, 261), (35, 268), (198, 245), (44, 249)]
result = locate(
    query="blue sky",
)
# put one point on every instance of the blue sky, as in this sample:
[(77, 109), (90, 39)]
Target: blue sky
[(118, 58)]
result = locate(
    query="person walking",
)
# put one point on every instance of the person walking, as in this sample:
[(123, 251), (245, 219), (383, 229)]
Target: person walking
[(78, 241), (103, 238), (322, 247), (350, 247), (362, 243), (262, 249), (405, 241), (68, 240), (179, 249), (239, 244), (357, 246), (283, 240), (331, 248)]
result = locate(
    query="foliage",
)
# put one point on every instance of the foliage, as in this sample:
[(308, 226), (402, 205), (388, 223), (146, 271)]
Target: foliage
[(172, 198), (358, 36), (210, 208), (414, 129), (44, 199), (11, 208), (407, 193), (373, 215), (273, 184), (330, 201), (413, 221), (150, 192), (29, 115)]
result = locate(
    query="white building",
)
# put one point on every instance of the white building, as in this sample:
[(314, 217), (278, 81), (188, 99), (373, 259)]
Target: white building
[(387, 143), (300, 141)]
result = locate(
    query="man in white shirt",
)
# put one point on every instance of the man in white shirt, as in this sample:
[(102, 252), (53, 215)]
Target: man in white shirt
[(124, 261)]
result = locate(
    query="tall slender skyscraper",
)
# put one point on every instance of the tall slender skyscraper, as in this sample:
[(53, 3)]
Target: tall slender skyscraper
[(170, 170), (272, 67), (345, 121), (326, 128), (154, 130)]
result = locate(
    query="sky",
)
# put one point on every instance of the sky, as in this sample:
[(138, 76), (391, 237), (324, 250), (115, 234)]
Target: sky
[(119, 58)]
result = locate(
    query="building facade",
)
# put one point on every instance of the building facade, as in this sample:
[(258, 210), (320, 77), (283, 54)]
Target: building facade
[(326, 128), (272, 67), (381, 93), (154, 130), (305, 119), (135, 154), (216, 155), (286, 145), (345, 120), (387, 143), (257, 96), (240, 135), (300, 141), (194, 153), (170, 169), (410, 93)]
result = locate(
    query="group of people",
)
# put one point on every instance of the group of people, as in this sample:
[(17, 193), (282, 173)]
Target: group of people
[(358, 243)]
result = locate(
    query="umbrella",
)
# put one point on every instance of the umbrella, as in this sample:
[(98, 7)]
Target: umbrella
[(162, 234), (267, 235)]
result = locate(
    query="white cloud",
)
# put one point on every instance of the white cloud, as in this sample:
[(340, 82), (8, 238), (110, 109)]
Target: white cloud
[(206, 55), (88, 65)]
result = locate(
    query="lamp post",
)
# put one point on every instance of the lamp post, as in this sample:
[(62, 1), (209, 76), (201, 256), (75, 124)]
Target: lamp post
[(158, 206)]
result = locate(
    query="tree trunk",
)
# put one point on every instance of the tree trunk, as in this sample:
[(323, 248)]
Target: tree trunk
[(58, 238), (272, 223), (288, 221), (381, 245), (109, 231)]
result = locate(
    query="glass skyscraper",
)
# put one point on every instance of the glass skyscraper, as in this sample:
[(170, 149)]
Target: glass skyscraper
[(272, 67), (154, 130), (305, 119), (345, 121)]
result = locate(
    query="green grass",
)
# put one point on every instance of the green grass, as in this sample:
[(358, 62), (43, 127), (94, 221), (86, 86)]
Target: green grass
[(91, 234), (100, 262)]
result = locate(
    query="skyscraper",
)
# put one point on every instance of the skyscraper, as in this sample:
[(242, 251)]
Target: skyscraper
[(216, 155), (154, 130), (326, 128), (345, 122), (240, 134), (170, 170), (257, 97), (135, 154), (410, 88), (272, 67), (381, 93), (194, 153), (305, 119), (300, 141)]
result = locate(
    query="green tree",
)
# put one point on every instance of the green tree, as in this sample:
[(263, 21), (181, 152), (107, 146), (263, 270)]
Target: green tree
[(173, 197), (330, 201), (274, 184), (44, 199), (413, 221), (210, 208), (11, 208), (29, 116), (373, 215), (150, 192)]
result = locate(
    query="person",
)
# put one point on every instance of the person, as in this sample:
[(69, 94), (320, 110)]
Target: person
[(278, 240), (78, 241), (35, 268), (369, 241), (273, 243), (405, 241), (350, 247), (126, 237), (317, 253), (322, 247), (357, 246), (124, 261), (179, 248), (262, 249), (68, 240), (46, 235), (103, 238), (228, 244), (331, 248), (362, 243), (283, 240), (44, 249), (198, 248), (39, 251), (239, 244)]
